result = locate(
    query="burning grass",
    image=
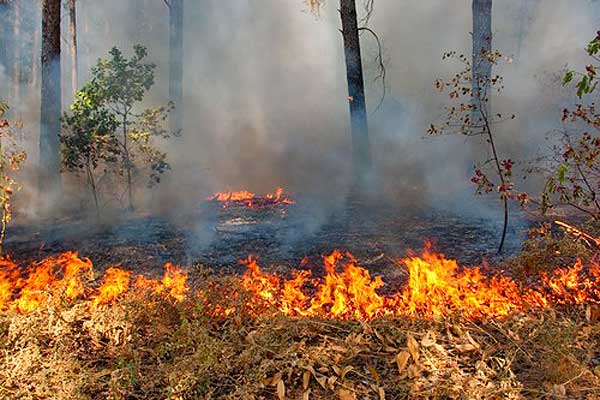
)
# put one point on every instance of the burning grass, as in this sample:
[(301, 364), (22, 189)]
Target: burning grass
[(251, 200), (450, 332)]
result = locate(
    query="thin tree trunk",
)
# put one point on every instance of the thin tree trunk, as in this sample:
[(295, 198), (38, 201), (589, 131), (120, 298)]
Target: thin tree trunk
[(85, 44), (17, 43), (5, 31), (361, 151), (49, 178), (128, 164), (73, 42), (482, 46), (92, 182), (35, 51), (176, 63)]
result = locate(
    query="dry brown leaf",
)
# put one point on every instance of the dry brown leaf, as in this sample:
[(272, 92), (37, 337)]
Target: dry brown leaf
[(331, 382), (345, 394), (559, 390), (310, 369), (346, 369), (465, 348), (322, 380), (592, 313), (323, 370), (281, 390), (275, 380), (401, 360), (339, 349), (305, 379), (472, 341), (306, 394), (413, 347), (337, 370), (427, 340), (381, 393), (414, 371), (373, 373)]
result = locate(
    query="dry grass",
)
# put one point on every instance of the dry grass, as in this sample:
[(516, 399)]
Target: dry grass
[(149, 348)]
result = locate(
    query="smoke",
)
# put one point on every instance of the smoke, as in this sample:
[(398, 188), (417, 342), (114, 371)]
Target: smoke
[(266, 97)]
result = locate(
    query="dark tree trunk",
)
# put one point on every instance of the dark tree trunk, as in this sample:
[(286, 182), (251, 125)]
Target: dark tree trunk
[(361, 151), (49, 179), (6, 35), (176, 63), (73, 43), (482, 45)]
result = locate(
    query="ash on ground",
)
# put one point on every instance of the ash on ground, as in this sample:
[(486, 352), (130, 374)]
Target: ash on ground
[(281, 235)]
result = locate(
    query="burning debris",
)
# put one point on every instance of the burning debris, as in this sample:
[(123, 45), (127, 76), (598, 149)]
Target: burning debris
[(244, 198), (436, 286)]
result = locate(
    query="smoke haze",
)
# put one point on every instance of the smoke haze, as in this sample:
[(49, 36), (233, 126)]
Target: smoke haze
[(266, 97)]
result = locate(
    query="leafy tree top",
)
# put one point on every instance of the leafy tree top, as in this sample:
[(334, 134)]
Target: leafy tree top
[(122, 82)]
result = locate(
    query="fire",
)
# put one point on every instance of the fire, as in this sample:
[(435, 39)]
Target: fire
[(436, 286), (251, 200), (233, 196), (55, 277)]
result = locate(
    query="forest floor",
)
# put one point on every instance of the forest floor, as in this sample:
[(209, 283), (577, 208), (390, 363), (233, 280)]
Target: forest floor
[(147, 346), (281, 236)]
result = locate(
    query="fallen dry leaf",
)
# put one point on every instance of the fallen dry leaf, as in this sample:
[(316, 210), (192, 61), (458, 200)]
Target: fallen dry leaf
[(305, 379), (306, 394), (413, 347), (465, 348), (345, 394), (401, 360), (281, 390)]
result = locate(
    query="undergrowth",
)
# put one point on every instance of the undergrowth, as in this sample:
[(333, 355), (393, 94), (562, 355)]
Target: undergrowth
[(150, 348)]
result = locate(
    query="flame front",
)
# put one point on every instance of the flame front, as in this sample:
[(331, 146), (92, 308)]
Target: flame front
[(436, 286)]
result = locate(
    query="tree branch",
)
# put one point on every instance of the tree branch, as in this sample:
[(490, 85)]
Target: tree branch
[(382, 70)]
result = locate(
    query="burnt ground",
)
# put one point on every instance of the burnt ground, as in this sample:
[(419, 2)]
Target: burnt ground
[(281, 236)]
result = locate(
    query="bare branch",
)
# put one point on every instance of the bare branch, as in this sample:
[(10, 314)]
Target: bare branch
[(382, 70)]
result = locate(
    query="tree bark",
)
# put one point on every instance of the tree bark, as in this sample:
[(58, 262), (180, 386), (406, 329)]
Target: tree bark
[(5, 31), (73, 42), (176, 63), (482, 45), (17, 43), (361, 152), (35, 51), (49, 178)]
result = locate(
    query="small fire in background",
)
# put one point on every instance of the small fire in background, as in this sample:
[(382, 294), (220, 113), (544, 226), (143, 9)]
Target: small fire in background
[(248, 199)]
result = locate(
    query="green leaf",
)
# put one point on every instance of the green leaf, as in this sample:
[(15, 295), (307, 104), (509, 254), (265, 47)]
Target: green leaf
[(561, 173), (568, 77), (583, 86)]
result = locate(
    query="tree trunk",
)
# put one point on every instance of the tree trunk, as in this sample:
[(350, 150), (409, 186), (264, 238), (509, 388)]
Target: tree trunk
[(49, 179), (361, 152), (73, 42), (35, 59), (176, 63), (127, 162), (482, 67), (17, 43), (6, 34)]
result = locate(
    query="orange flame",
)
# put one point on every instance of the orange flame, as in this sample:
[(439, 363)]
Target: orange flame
[(232, 196), (250, 199), (436, 286)]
